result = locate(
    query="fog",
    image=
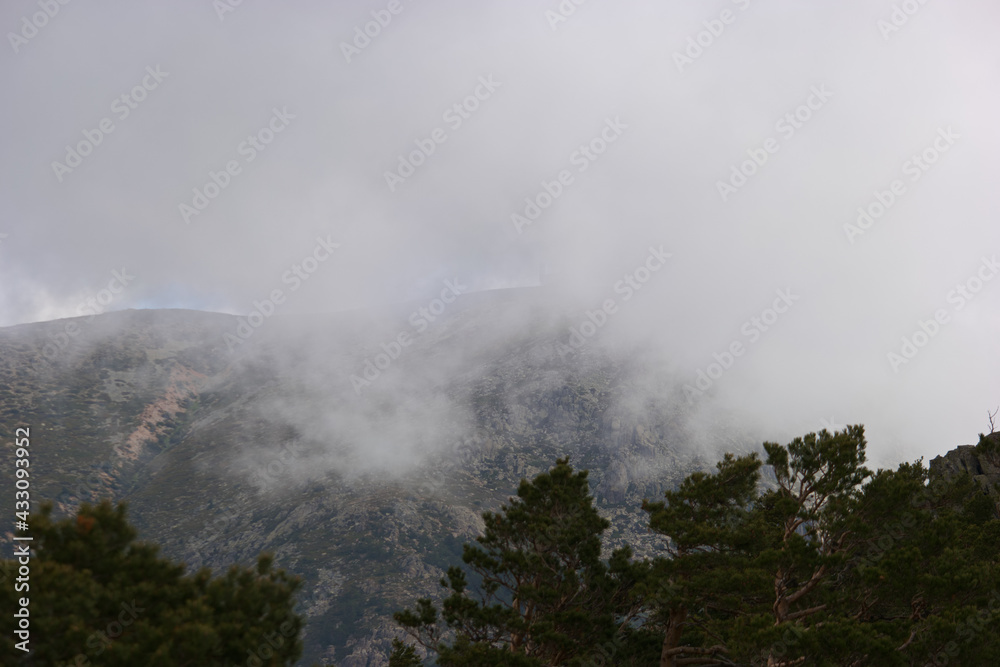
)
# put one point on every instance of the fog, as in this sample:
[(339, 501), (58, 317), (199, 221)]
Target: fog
[(792, 203)]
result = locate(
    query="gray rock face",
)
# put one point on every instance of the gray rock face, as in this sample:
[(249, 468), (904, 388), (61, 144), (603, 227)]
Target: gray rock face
[(981, 461), (367, 495)]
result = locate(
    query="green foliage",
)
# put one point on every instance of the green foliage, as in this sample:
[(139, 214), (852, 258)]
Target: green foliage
[(708, 571), (403, 655), (989, 443), (833, 565), (830, 565), (544, 595), (97, 597)]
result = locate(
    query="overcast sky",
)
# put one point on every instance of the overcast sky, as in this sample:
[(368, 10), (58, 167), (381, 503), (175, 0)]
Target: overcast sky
[(646, 110)]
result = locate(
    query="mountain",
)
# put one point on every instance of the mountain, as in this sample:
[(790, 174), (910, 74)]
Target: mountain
[(360, 448), (367, 489)]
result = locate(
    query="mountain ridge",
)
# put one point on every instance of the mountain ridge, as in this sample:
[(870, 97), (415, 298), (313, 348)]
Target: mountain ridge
[(367, 495)]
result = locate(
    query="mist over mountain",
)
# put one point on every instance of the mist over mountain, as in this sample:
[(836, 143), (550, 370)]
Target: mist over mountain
[(366, 493), (329, 279), (821, 152), (366, 490)]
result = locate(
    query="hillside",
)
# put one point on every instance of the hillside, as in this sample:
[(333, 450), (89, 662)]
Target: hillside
[(365, 490), (366, 494)]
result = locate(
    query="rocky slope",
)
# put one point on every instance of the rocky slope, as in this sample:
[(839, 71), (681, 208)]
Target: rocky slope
[(365, 490)]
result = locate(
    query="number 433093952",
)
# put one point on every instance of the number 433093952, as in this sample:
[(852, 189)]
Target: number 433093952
[(22, 501)]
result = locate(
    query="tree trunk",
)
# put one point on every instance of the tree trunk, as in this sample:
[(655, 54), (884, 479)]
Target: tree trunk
[(672, 637)]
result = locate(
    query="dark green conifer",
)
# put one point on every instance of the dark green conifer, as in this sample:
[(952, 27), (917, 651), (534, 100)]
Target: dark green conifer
[(98, 597)]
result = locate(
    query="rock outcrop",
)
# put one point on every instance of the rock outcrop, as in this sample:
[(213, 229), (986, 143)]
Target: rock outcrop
[(981, 462)]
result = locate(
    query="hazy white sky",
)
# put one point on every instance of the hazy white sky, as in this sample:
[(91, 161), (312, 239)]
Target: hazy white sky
[(628, 121)]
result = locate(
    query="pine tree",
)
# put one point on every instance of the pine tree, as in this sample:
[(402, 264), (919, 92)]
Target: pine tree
[(403, 655), (98, 597), (708, 575), (542, 595), (831, 565), (828, 564)]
